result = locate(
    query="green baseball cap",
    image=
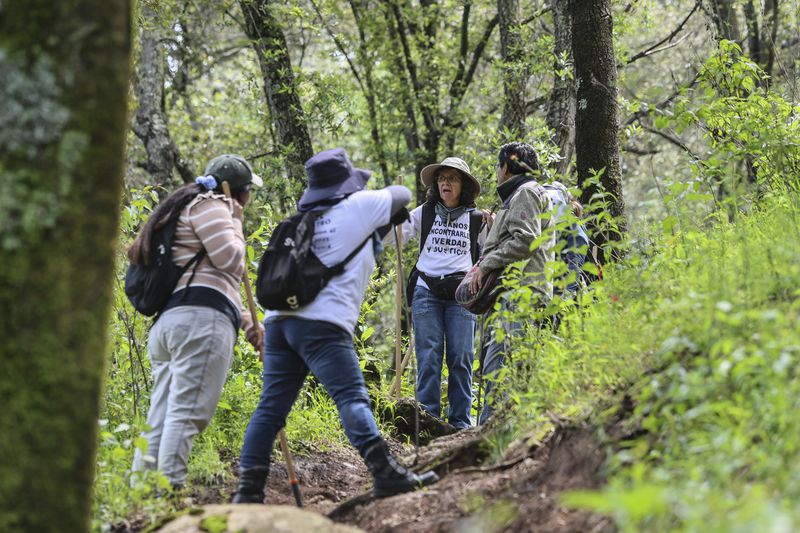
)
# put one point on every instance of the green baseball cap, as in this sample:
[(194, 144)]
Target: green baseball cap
[(235, 170)]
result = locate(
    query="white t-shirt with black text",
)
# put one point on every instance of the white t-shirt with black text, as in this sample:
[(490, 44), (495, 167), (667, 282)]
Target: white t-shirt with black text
[(339, 231), (446, 249)]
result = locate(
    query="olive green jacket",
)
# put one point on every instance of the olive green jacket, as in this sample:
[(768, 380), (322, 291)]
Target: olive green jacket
[(516, 226)]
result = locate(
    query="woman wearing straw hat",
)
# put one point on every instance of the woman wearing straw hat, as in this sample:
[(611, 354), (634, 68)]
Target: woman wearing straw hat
[(450, 231)]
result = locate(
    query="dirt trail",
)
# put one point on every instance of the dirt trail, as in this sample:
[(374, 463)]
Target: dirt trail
[(519, 492)]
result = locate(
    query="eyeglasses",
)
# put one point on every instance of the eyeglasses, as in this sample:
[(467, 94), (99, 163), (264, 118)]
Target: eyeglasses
[(442, 178)]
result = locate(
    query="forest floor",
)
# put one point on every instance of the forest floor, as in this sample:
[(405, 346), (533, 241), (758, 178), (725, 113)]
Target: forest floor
[(517, 492)]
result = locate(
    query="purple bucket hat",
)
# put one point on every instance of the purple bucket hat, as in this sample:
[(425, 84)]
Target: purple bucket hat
[(331, 174)]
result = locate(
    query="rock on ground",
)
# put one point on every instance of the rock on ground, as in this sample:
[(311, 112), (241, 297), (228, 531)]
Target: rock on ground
[(252, 519)]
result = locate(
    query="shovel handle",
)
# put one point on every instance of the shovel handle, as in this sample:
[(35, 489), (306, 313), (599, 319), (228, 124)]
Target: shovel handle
[(251, 303), (293, 481)]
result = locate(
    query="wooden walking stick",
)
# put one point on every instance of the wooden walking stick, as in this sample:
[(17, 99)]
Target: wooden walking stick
[(293, 481), (398, 345), (251, 305), (481, 355)]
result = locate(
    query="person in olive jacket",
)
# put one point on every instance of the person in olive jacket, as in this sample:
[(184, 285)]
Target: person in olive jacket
[(517, 225)]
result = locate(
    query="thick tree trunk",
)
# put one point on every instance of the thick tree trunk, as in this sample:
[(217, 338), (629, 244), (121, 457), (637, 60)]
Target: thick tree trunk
[(515, 73), (66, 71), (561, 112), (761, 38), (150, 122), (771, 12), (725, 20), (597, 117), (280, 88)]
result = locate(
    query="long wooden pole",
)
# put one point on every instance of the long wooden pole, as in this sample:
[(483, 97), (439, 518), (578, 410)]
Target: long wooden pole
[(294, 483), (398, 345), (396, 383)]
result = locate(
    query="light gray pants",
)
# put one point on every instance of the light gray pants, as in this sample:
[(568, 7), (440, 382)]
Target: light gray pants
[(190, 353)]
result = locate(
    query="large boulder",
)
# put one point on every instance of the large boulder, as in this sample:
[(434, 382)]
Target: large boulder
[(253, 518)]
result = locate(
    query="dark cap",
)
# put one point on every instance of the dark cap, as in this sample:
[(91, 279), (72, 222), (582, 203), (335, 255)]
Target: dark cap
[(233, 169)]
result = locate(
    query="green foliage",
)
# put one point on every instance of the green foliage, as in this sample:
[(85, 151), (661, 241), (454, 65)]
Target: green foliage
[(716, 311), (748, 128)]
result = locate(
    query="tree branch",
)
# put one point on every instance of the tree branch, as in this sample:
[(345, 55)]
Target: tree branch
[(664, 103), (478, 52), (639, 151), (411, 67), (532, 105), (655, 48), (672, 139), (545, 9), (339, 46)]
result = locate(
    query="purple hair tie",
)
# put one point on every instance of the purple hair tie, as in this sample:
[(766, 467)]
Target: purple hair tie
[(209, 183)]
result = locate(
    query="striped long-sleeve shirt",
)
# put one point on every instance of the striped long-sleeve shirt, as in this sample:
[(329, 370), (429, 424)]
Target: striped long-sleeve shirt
[(213, 222)]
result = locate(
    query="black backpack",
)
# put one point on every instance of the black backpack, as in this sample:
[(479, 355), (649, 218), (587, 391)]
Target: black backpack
[(428, 216), (150, 282), (290, 275)]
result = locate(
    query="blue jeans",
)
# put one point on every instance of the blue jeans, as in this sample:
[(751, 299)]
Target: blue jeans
[(293, 346), (498, 352), (442, 328)]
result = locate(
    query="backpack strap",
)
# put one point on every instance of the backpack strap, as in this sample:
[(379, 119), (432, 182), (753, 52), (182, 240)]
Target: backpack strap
[(194, 260), (428, 216), (475, 227), (339, 267)]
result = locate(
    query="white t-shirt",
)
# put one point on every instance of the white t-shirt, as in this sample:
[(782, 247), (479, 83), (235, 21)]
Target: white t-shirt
[(447, 248), (339, 231)]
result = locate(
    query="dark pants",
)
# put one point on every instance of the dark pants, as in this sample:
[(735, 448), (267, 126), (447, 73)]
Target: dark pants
[(293, 346), (497, 352)]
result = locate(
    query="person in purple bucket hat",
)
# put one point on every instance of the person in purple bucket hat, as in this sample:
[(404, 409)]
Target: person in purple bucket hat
[(318, 337)]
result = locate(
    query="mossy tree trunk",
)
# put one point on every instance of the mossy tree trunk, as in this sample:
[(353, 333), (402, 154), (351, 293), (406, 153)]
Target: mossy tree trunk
[(65, 72), (150, 122), (561, 109)]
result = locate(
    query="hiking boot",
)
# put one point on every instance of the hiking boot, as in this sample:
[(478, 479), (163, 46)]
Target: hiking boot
[(251, 485), (389, 476)]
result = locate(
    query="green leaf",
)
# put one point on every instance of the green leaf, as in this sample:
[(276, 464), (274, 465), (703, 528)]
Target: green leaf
[(367, 333), (591, 268)]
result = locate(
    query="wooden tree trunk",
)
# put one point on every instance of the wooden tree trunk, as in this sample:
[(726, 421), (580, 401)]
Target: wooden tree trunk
[(280, 88), (725, 20), (66, 69), (515, 75), (561, 111), (150, 122), (596, 116), (761, 37)]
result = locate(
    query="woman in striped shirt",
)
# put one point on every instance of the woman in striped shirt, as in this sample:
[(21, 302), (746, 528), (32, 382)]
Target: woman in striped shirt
[(191, 343)]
